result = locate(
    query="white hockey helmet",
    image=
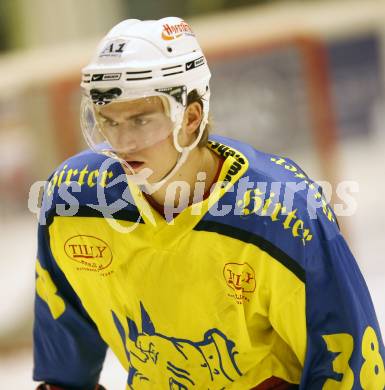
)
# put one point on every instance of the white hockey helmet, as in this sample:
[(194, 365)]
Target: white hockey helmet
[(140, 60)]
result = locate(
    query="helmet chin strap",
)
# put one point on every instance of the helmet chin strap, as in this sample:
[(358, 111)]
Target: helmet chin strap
[(153, 187), (141, 178)]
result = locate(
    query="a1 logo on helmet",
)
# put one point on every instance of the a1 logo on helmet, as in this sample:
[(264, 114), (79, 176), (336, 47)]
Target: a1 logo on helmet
[(114, 49)]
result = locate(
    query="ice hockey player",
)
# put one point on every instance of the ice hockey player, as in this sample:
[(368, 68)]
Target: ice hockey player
[(200, 261)]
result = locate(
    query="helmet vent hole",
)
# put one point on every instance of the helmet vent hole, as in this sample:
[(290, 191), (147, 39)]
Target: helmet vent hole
[(170, 74), (138, 75)]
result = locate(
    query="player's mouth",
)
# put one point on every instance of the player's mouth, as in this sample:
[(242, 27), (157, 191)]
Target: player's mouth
[(134, 164)]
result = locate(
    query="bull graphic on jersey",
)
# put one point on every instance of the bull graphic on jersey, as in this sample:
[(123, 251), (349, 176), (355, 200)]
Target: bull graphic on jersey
[(163, 362)]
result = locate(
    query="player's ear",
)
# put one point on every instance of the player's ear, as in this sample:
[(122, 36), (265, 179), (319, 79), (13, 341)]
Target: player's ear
[(192, 118)]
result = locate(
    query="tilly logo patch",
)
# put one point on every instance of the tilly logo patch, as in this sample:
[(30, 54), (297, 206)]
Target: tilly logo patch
[(91, 252), (240, 277)]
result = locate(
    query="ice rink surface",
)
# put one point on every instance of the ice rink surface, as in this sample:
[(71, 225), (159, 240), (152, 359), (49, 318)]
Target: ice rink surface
[(361, 160)]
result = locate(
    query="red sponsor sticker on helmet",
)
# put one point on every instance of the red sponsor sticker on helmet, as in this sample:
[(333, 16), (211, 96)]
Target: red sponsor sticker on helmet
[(174, 31)]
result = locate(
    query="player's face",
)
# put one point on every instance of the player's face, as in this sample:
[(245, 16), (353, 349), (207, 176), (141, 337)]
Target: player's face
[(140, 133)]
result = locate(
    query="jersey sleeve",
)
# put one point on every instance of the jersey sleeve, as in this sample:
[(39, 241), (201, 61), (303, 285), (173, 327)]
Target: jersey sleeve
[(344, 345), (68, 350)]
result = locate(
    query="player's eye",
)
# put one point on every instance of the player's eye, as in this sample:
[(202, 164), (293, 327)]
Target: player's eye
[(109, 122), (140, 121)]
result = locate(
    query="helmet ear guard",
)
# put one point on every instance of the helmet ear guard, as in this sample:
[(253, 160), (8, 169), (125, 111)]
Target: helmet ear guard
[(205, 97), (179, 93)]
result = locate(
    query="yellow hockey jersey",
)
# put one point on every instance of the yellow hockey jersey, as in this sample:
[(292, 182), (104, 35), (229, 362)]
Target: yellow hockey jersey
[(253, 282)]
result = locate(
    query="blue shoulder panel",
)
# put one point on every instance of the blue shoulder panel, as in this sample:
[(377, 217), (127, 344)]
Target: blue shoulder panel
[(89, 184), (277, 204), (278, 208)]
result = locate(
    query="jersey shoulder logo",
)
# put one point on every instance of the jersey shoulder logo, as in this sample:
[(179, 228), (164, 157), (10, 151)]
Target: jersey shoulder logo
[(91, 253), (240, 277)]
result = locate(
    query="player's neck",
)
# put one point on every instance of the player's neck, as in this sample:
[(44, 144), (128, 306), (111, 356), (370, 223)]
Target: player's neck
[(183, 183)]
